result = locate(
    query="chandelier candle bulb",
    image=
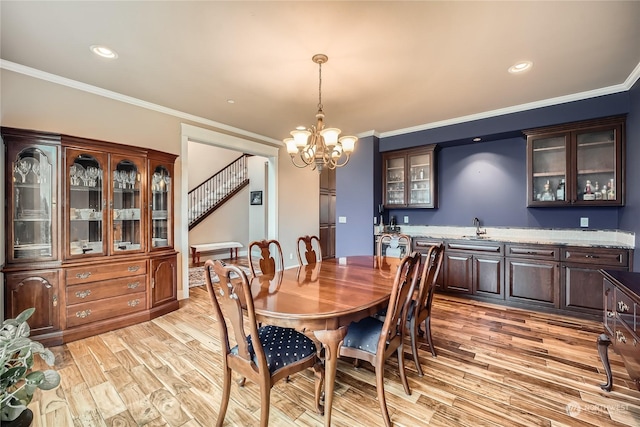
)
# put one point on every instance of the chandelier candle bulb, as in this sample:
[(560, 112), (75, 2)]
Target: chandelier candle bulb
[(317, 146)]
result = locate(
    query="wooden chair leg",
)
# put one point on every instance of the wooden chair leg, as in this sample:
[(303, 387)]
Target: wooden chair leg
[(318, 370), (226, 393), (403, 374), (413, 327), (380, 388), (427, 323), (265, 396)]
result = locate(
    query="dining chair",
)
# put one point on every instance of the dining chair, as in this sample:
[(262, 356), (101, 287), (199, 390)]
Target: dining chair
[(263, 354), (373, 340), (268, 260), (420, 307), (393, 243), (309, 250)]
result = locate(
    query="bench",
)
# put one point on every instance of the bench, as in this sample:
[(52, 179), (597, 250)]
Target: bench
[(196, 250)]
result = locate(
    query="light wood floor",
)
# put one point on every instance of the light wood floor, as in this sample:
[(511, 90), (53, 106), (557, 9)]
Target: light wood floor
[(495, 367)]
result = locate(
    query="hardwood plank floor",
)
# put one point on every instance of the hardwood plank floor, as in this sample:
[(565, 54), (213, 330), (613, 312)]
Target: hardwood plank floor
[(496, 366)]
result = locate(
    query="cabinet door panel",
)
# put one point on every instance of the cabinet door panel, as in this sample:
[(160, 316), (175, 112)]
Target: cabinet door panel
[(38, 289), (458, 269), (532, 281), (488, 277), (609, 315), (582, 288), (163, 276)]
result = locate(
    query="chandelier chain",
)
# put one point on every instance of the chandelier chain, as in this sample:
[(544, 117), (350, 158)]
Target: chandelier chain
[(320, 85)]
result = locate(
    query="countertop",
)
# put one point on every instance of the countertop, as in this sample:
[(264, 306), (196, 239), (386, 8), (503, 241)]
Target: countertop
[(540, 236)]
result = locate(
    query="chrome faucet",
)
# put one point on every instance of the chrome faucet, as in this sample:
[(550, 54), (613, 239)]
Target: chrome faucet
[(476, 223)]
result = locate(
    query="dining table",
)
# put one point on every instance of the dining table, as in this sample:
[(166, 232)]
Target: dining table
[(324, 298)]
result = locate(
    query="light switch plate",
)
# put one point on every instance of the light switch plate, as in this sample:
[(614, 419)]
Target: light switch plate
[(342, 219), (406, 219), (584, 222)]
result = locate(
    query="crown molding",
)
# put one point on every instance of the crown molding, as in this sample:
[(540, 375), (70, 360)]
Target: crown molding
[(53, 78)]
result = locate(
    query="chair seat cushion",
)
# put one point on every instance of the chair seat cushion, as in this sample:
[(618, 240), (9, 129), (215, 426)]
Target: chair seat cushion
[(364, 334), (281, 346)]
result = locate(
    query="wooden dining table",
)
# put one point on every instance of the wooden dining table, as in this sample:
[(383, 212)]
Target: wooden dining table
[(325, 298)]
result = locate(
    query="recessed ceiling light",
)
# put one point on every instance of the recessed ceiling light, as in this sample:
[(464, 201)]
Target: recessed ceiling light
[(103, 51), (477, 139), (521, 66), (230, 101)]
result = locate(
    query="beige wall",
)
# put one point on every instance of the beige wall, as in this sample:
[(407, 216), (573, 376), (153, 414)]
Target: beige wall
[(32, 103)]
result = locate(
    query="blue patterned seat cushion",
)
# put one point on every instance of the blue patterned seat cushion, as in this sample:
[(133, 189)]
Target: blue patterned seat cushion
[(364, 334), (281, 346)]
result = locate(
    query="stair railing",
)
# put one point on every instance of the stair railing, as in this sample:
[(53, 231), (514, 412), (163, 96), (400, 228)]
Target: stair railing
[(216, 190)]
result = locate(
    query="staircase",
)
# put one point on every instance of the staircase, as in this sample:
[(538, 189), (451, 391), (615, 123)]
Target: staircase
[(215, 191)]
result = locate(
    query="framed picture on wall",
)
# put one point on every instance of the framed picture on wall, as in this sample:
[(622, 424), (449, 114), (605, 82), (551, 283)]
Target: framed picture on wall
[(256, 197)]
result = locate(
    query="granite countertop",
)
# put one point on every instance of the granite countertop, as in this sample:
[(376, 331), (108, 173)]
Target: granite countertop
[(540, 236)]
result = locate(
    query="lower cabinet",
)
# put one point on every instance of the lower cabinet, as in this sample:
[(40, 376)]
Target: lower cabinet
[(474, 268), (163, 292), (36, 289), (581, 278), (532, 275), (558, 278)]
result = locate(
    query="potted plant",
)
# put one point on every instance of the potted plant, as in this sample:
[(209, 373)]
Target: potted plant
[(18, 381)]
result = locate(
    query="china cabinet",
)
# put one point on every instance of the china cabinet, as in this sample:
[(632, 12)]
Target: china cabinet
[(577, 164), (89, 234), (409, 178)]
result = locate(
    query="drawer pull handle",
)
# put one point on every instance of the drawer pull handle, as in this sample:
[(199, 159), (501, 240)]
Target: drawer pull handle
[(133, 285), (591, 256), (133, 268), (82, 314), (610, 313), (83, 275), (622, 307), (133, 302), (620, 336), (83, 294)]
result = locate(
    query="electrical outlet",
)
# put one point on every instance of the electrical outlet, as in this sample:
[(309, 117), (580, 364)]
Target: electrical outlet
[(290, 256), (406, 219), (584, 222)]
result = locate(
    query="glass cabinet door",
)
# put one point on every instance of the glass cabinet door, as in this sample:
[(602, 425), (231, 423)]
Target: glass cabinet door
[(126, 205), (419, 179), (549, 169), (85, 174), (596, 165), (161, 204), (394, 182), (32, 231)]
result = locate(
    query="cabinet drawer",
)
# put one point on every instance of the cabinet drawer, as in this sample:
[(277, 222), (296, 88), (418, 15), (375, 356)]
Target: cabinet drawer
[(93, 273), (533, 251), (626, 310), (484, 247), (600, 256), (423, 245), (80, 314), (627, 345), (105, 289)]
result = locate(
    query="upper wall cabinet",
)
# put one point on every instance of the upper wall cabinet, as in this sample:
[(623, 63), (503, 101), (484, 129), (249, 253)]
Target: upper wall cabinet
[(578, 164), (409, 178)]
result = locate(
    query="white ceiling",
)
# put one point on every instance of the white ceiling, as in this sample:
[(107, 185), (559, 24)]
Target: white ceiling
[(393, 66)]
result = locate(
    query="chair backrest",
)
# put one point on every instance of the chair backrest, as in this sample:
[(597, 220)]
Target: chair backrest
[(427, 285), (265, 256), (227, 298), (403, 285), (393, 242), (309, 250)]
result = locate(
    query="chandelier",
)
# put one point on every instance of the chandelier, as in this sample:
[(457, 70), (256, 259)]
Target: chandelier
[(318, 146)]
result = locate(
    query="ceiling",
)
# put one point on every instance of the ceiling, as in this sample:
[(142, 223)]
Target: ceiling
[(393, 66)]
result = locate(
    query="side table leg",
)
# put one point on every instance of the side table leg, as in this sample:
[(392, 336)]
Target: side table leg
[(603, 351)]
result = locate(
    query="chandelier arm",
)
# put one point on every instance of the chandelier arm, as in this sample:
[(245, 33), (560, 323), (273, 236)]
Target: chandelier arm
[(304, 162)]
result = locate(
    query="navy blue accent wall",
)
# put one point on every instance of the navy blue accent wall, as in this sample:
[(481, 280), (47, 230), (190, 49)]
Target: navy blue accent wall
[(357, 189), (488, 179), (630, 214)]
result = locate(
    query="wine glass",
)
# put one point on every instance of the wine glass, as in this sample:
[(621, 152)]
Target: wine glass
[(23, 169), (133, 175), (35, 168)]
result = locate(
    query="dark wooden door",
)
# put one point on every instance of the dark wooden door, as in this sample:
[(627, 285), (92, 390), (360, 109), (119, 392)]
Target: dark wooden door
[(327, 226)]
